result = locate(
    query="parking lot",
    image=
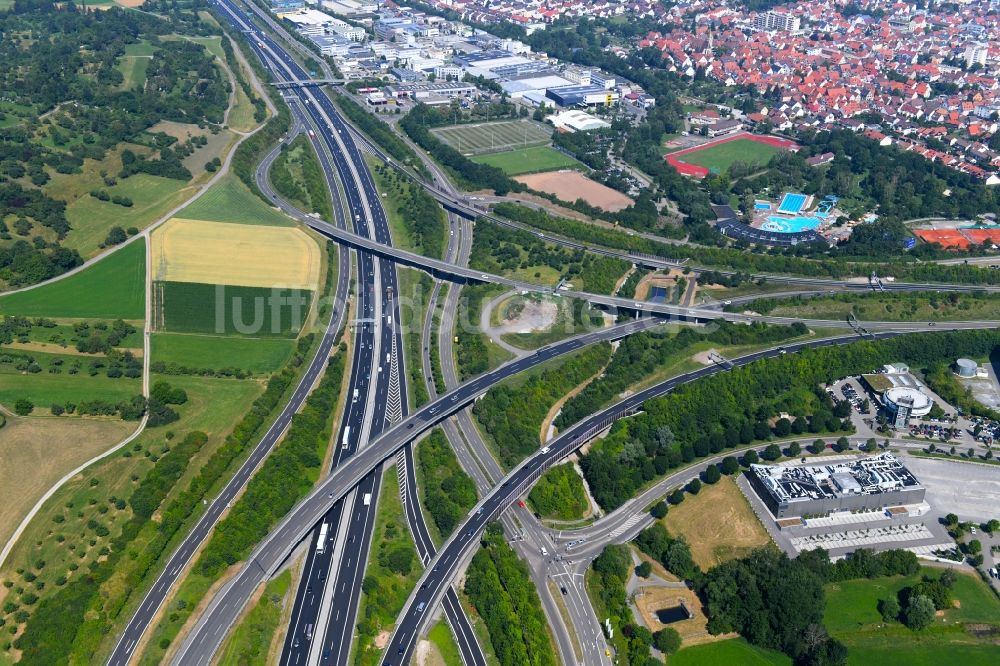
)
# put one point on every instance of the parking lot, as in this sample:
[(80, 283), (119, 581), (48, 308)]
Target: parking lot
[(971, 491)]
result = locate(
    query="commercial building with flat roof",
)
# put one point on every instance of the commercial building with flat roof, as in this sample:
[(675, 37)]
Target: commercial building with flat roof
[(569, 96), (874, 483), (576, 121)]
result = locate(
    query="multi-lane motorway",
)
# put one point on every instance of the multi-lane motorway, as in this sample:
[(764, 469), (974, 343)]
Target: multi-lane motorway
[(365, 463), (455, 552), (326, 602)]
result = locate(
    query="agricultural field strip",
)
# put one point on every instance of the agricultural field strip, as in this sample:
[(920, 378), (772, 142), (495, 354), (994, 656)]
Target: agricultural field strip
[(235, 254)]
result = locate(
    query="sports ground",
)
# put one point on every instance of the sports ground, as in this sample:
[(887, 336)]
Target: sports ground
[(528, 160), (492, 137), (717, 156)]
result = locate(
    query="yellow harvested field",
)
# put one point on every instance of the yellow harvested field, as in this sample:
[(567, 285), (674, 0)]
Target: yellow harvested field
[(37, 452), (718, 524), (235, 254), (570, 185)]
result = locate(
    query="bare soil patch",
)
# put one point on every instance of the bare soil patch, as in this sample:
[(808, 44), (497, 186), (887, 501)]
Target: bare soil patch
[(571, 185), (527, 315)]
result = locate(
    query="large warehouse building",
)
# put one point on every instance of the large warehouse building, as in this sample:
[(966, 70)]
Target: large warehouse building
[(569, 96), (872, 483)]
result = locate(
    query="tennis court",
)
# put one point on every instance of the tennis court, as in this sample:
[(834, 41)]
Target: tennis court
[(494, 137)]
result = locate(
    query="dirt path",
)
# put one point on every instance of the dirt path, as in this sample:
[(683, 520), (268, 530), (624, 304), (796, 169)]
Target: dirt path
[(547, 430)]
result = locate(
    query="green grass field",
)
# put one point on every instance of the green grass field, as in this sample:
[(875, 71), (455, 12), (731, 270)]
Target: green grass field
[(728, 653), (719, 158), (45, 389), (852, 617), (487, 137), (141, 48), (229, 200), (256, 355), (440, 636), (91, 219), (112, 288), (133, 68), (190, 307), (528, 160)]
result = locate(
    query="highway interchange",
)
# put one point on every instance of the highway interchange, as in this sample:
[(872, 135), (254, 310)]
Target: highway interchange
[(376, 427)]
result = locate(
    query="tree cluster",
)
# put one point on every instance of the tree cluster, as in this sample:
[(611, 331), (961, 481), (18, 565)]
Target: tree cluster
[(449, 492), (500, 587), (773, 602), (559, 493), (638, 354), (285, 477)]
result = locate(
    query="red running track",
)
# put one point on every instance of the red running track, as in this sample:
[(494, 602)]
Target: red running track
[(696, 171)]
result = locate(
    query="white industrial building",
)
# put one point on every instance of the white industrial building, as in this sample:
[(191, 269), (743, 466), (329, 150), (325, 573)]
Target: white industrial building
[(576, 121), (539, 84)]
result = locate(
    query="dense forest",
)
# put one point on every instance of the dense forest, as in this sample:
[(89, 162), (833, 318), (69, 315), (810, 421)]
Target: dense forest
[(424, 219), (286, 476), (640, 354), (725, 410), (778, 603), (559, 493)]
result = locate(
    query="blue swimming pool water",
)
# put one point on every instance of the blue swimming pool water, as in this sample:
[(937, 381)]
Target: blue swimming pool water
[(762, 205), (790, 225), (792, 203)]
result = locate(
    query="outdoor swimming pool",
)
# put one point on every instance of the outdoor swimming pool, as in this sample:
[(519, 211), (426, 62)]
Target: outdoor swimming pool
[(762, 205), (789, 225), (792, 203)]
